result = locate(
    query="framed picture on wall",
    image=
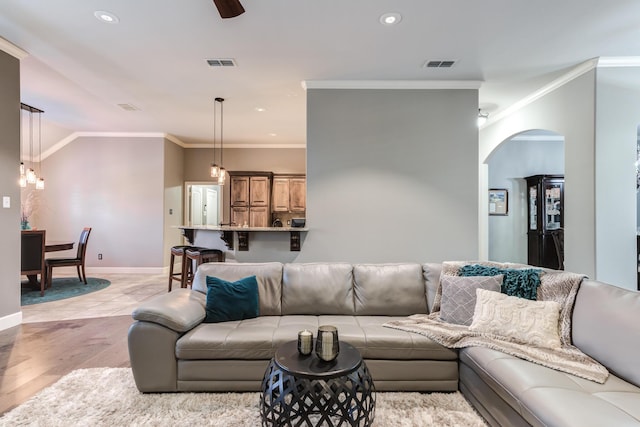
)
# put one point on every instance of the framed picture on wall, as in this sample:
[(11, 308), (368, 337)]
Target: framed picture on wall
[(498, 201)]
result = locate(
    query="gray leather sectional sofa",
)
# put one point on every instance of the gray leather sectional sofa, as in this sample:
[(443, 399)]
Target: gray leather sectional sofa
[(172, 350)]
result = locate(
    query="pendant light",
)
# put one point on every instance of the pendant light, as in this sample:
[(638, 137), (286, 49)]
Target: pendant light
[(215, 169), (29, 175), (223, 173)]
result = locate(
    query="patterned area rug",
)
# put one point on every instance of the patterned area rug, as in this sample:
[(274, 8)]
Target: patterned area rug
[(109, 397), (61, 288)]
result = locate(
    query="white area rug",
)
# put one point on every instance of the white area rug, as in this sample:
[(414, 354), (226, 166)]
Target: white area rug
[(109, 397)]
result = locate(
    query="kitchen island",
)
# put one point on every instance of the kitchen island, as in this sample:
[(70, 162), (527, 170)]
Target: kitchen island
[(205, 235)]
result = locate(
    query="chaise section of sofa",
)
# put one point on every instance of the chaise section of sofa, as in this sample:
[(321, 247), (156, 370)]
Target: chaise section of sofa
[(509, 391), (172, 350)]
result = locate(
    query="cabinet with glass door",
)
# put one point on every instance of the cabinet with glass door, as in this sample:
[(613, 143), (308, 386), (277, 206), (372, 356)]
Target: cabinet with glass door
[(545, 234)]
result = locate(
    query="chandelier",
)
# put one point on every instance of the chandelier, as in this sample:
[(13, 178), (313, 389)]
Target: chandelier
[(28, 176)]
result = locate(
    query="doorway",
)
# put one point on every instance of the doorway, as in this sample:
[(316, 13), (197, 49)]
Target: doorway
[(203, 202), (531, 152)]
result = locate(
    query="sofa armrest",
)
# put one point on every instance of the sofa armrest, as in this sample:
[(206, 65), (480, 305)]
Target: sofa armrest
[(180, 310)]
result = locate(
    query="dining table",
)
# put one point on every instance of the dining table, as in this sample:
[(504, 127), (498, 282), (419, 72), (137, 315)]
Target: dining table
[(50, 246)]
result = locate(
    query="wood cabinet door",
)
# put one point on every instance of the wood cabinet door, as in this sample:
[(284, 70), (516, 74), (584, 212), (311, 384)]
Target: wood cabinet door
[(240, 216), (280, 197), (239, 191), (297, 194), (259, 189), (259, 217)]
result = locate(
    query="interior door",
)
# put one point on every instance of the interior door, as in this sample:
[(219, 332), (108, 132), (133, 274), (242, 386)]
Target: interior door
[(211, 206), (196, 207)]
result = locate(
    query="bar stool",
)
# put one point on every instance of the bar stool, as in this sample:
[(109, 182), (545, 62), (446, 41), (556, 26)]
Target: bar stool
[(199, 256), (177, 251)]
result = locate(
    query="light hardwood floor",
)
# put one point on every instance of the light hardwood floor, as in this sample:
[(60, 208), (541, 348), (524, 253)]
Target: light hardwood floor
[(58, 337)]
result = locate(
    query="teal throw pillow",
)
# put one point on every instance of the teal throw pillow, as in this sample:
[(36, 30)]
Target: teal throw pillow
[(517, 282), (231, 300)]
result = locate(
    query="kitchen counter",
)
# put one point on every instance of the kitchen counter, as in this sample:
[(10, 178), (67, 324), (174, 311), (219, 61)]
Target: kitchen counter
[(227, 231)]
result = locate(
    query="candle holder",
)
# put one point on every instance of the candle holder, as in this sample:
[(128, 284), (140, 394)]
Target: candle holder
[(305, 342), (327, 345)]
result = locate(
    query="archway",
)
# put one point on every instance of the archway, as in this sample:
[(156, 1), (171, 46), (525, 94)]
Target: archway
[(527, 153)]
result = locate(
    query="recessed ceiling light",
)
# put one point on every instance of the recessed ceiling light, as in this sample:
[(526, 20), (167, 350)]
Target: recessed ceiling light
[(105, 16), (391, 18), (260, 109), (273, 134)]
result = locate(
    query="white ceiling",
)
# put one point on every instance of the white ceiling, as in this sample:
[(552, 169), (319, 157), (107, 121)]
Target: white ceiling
[(79, 69)]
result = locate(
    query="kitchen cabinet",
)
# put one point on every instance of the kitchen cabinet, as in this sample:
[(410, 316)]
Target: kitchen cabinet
[(289, 194), (250, 198), (545, 218)]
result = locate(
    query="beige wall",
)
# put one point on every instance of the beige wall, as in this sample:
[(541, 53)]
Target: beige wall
[(173, 196), (9, 218), (115, 186)]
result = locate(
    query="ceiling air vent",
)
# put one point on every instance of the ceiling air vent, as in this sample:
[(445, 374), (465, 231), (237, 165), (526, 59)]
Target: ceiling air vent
[(128, 107), (439, 64), (221, 62)]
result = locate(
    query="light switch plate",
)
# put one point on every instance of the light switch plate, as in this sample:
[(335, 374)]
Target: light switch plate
[(6, 202)]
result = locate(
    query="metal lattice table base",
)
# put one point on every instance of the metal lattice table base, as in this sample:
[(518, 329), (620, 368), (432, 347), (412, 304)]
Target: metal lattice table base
[(288, 400)]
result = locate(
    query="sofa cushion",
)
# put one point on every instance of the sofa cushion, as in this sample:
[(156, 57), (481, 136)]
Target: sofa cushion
[(529, 322), (545, 397), (258, 338), (231, 300), (431, 272), (606, 326), (389, 289), (317, 288), (269, 276), (459, 296)]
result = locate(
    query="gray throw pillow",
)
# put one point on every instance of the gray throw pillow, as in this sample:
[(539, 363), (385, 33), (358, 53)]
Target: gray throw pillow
[(459, 296)]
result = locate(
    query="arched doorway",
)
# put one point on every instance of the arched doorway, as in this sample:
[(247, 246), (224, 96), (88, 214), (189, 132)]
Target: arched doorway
[(531, 152)]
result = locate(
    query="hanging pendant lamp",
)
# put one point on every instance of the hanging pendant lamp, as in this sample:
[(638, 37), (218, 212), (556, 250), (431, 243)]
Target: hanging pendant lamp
[(222, 175), (215, 169)]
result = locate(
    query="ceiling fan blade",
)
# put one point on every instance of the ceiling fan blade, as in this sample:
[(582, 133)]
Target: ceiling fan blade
[(229, 8)]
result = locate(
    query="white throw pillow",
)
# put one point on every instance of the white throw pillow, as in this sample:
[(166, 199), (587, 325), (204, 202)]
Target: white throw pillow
[(525, 321)]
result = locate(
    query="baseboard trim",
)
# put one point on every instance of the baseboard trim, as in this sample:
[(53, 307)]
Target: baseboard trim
[(114, 270), (10, 321)]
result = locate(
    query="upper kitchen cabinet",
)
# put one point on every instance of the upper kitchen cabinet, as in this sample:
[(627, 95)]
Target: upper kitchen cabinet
[(250, 190), (289, 193)]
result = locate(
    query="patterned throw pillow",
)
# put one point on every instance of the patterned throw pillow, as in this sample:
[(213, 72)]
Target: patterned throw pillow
[(459, 296), (525, 321), (518, 282)]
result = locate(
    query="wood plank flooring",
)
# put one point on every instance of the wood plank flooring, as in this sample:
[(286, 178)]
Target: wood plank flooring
[(35, 355)]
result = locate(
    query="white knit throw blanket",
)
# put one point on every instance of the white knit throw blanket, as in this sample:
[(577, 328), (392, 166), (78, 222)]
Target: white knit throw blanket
[(561, 287)]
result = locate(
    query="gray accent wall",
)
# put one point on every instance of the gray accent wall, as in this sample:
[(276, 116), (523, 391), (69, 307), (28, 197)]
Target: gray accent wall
[(617, 120), (392, 175), (10, 314)]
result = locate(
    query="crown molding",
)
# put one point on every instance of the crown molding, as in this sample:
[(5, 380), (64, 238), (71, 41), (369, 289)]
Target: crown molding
[(76, 135), (618, 61), (12, 49), (572, 74), (172, 138), (391, 84), (243, 146)]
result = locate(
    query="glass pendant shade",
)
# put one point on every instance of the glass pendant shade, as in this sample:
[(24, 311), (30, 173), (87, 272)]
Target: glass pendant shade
[(23, 180), (222, 177), (215, 170), (21, 168), (31, 176), (40, 184)]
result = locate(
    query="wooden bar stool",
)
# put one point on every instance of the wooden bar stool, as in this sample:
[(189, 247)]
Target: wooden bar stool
[(177, 251), (199, 256)]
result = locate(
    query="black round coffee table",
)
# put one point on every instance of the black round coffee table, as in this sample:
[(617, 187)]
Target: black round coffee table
[(306, 391)]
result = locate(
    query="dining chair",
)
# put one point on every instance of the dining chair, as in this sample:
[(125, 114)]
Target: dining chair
[(78, 261), (32, 262)]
